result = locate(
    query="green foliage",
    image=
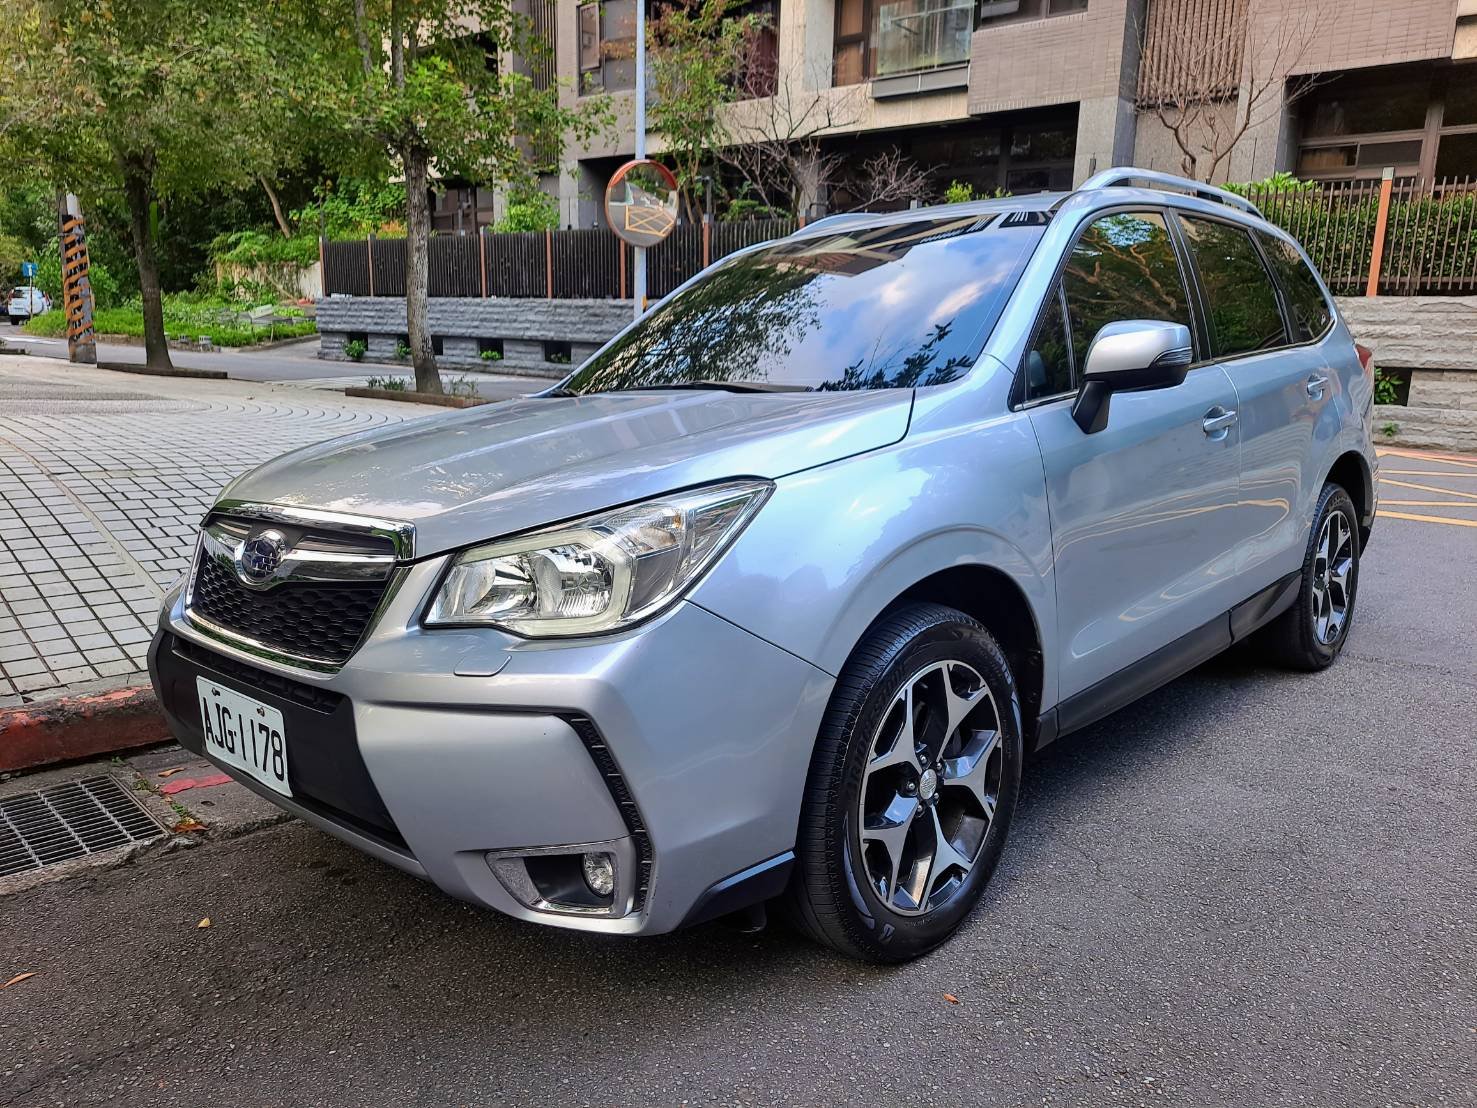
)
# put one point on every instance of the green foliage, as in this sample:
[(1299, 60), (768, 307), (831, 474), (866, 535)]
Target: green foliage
[(402, 350), (1390, 430), (352, 208), (958, 192), (186, 316), (529, 209), (491, 356), (389, 384), (745, 208), (1386, 387), (1278, 182), (105, 291), (250, 248), (461, 386), (355, 349)]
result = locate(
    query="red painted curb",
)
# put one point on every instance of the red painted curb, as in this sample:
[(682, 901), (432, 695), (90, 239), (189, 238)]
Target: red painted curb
[(71, 727)]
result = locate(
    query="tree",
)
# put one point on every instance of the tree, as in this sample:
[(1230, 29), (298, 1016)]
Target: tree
[(698, 49), (1212, 74), (158, 100), (888, 178), (430, 85)]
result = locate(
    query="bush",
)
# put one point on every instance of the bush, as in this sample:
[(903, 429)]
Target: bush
[(355, 349), (529, 210), (105, 292), (745, 208), (186, 315)]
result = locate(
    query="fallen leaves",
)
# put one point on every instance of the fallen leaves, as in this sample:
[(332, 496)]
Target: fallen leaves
[(171, 772), (203, 924), (187, 825), (18, 978), (951, 998)]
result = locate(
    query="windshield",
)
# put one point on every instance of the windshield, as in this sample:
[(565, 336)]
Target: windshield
[(892, 306)]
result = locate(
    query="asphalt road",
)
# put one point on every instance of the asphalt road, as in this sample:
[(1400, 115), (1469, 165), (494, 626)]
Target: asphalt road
[(1251, 888)]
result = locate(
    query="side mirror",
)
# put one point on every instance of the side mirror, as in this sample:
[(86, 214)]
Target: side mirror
[(1128, 355)]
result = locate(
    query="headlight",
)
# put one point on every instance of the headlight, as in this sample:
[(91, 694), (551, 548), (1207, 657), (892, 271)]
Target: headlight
[(600, 573)]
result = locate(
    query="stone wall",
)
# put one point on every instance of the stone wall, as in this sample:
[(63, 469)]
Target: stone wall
[(1434, 340), (529, 330)]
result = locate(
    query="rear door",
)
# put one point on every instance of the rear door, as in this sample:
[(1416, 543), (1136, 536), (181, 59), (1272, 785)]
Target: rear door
[(1143, 513), (1283, 383)]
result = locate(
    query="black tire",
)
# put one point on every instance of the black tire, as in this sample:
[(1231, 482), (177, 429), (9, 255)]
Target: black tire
[(1292, 639), (15, 321), (831, 897)]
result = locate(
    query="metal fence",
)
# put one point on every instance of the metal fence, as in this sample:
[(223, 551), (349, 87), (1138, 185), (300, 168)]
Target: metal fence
[(1385, 237), (587, 264)]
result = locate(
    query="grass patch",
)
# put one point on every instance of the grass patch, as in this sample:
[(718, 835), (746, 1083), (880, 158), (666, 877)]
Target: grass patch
[(185, 316)]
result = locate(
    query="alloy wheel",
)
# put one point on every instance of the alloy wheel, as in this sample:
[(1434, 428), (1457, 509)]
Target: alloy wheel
[(1333, 571), (930, 788)]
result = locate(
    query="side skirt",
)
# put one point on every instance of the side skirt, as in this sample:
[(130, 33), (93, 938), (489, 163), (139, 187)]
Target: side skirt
[(1166, 663)]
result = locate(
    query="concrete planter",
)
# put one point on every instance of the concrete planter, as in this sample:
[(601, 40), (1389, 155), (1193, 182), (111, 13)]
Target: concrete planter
[(410, 397)]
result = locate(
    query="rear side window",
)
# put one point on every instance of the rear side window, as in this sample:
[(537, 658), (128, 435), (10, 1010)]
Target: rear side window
[(1123, 267), (1311, 315), (1244, 314)]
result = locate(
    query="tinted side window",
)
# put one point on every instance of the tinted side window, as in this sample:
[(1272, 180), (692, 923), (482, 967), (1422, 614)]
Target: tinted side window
[(1244, 315), (1311, 315), (1048, 362), (1123, 267)]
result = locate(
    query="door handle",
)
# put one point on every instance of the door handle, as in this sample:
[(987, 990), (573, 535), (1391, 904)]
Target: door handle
[(1218, 421), (1316, 385)]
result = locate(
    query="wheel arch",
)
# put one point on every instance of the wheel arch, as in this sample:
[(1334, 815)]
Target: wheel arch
[(1351, 470), (995, 599)]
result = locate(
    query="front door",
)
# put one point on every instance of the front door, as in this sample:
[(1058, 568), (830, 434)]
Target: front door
[(1144, 512)]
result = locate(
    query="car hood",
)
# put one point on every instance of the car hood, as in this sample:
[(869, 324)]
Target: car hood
[(501, 468)]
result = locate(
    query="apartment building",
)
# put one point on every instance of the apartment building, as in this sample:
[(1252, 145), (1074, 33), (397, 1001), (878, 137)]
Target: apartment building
[(1027, 95)]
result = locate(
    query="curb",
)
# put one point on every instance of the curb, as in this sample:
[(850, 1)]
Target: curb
[(83, 725)]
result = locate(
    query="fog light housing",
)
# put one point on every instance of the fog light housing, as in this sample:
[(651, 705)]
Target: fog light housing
[(582, 879), (599, 873)]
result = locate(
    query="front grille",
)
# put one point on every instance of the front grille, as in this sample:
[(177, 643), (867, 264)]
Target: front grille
[(319, 620), (69, 821)]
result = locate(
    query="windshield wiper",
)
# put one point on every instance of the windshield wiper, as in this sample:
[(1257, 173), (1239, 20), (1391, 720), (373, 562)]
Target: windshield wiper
[(559, 393), (724, 386)]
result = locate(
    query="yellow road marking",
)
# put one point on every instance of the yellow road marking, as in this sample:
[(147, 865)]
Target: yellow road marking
[(1430, 488), (1424, 473), (1422, 456), (1429, 519), (1430, 503)]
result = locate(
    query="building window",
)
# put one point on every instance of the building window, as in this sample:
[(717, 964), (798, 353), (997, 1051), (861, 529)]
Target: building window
[(607, 46), (1420, 122), (1018, 11), (884, 38)]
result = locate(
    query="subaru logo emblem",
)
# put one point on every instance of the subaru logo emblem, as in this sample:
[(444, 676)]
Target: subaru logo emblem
[(260, 556)]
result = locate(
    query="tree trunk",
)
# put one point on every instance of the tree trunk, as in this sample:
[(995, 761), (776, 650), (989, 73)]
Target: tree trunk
[(417, 268), (136, 188), (282, 224)]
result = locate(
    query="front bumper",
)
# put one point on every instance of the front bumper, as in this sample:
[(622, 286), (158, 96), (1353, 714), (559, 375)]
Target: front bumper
[(681, 748)]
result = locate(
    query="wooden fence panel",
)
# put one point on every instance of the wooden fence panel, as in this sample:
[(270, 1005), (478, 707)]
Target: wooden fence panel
[(586, 264), (389, 267), (516, 264), (454, 267), (346, 268)]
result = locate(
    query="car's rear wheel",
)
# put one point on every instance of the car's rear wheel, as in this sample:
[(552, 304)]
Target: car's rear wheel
[(912, 787), (1310, 634)]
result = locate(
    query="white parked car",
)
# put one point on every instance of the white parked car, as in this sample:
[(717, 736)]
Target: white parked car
[(24, 302)]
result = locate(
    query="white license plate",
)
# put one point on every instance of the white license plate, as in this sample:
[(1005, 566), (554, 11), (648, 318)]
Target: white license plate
[(244, 733)]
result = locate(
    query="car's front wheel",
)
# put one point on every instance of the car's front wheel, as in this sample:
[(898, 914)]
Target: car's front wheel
[(912, 787), (1310, 634)]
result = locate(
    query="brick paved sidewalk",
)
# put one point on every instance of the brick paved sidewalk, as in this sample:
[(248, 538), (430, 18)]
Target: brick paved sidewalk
[(103, 480)]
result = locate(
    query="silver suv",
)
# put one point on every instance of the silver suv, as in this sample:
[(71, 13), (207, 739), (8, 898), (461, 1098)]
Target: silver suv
[(772, 597)]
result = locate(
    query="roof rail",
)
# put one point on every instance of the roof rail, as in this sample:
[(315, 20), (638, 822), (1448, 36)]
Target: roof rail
[(1124, 175)]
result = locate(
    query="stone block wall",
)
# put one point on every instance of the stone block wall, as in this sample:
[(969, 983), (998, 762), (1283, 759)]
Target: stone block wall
[(529, 330)]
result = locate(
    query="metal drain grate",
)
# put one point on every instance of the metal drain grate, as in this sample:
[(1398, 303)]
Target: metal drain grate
[(68, 821)]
